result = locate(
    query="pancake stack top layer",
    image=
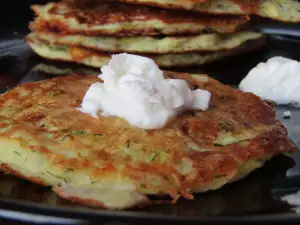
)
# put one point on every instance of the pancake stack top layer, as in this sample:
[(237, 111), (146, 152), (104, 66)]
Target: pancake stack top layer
[(281, 10), (173, 33)]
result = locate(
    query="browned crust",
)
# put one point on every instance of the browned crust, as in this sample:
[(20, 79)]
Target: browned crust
[(202, 126), (58, 26), (107, 13), (101, 12), (225, 162), (88, 3), (230, 111), (247, 6)]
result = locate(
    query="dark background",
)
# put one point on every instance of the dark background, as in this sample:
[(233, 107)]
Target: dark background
[(15, 14)]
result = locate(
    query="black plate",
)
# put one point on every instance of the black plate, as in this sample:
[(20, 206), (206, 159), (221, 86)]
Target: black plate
[(257, 199)]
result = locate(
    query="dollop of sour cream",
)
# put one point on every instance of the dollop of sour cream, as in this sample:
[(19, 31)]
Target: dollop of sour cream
[(135, 89), (277, 80)]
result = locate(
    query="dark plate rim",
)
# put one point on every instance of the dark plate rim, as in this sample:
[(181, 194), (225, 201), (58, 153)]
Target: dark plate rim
[(91, 215)]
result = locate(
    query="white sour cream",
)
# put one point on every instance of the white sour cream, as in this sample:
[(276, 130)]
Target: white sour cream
[(277, 80), (134, 89), (294, 200)]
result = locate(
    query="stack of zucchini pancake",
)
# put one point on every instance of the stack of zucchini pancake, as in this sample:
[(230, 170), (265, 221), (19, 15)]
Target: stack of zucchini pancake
[(173, 33)]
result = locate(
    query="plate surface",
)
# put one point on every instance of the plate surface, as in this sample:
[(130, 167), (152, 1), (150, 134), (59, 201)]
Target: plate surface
[(257, 199)]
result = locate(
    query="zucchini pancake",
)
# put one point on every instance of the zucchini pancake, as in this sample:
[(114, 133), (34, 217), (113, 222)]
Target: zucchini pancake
[(282, 10), (106, 162), (96, 59), (139, 44), (108, 18)]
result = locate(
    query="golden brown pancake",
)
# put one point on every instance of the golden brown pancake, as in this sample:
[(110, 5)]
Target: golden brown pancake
[(154, 45), (282, 10), (105, 162), (96, 59), (127, 20)]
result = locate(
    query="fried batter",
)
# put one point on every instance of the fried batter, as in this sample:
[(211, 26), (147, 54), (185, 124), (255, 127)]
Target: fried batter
[(106, 162), (106, 18)]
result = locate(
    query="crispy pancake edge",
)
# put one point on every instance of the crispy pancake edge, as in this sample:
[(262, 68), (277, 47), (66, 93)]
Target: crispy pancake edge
[(150, 21), (97, 58), (280, 10), (153, 45)]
